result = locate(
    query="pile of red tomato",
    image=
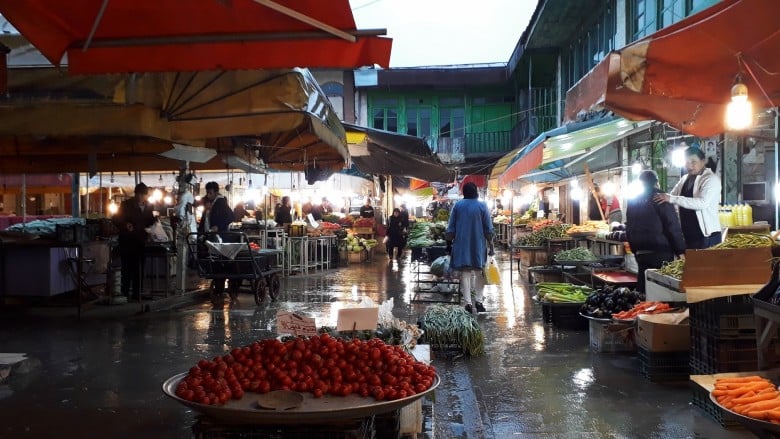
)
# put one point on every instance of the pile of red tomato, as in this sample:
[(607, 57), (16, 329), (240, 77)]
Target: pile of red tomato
[(254, 246), (319, 365)]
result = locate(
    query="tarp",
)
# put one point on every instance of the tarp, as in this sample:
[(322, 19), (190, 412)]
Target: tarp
[(683, 74), (387, 153), (123, 36), (283, 117)]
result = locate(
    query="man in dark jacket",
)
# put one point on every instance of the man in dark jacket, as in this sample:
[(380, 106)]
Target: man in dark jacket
[(653, 230), (220, 217), (132, 218)]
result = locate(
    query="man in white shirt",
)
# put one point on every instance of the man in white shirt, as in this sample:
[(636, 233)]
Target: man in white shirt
[(697, 196)]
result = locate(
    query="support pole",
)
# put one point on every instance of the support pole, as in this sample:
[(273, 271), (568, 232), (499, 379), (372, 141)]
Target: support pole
[(24, 202), (75, 198)]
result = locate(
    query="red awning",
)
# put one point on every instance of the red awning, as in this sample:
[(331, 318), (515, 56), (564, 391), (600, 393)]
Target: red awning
[(525, 164), (124, 36), (479, 180), (683, 74)]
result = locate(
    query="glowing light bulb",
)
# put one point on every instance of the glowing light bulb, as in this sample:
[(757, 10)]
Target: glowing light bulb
[(739, 112)]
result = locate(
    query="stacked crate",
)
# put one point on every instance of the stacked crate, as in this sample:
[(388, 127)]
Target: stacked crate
[(723, 339)]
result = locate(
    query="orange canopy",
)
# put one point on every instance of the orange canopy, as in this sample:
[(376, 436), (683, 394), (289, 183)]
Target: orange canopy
[(683, 74), (123, 36)]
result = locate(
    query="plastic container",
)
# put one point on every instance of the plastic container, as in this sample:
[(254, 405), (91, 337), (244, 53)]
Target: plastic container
[(611, 337)]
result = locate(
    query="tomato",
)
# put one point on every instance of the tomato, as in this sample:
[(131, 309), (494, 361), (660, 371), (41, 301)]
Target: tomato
[(203, 364), (317, 393)]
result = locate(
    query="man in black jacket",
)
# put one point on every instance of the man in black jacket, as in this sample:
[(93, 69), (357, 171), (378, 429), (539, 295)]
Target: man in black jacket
[(134, 215), (653, 230)]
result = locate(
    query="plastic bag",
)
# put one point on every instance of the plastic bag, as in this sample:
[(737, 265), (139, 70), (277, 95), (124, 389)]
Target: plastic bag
[(440, 266), (492, 277), (157, 232)]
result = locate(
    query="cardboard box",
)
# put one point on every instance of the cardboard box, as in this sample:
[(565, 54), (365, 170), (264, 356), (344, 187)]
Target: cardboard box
[(659, 333), (710, 274)]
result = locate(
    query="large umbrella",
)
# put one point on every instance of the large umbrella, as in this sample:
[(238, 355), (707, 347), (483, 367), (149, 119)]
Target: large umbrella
[(285, 115), (123, 36), (683, 74)]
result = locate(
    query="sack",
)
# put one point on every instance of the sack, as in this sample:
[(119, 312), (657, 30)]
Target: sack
[(492, 277)]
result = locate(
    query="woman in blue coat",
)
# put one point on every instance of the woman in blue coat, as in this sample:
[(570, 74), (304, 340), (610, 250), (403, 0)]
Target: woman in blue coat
[(470, 230)]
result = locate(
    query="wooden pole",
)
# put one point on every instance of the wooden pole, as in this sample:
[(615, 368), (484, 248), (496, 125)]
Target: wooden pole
[(592, 188)]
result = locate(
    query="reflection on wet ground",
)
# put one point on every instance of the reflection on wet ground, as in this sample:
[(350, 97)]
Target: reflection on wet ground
[(103, 377)]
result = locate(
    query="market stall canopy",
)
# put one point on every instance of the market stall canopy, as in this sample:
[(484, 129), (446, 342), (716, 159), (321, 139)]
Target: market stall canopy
[(93, 154), (387, 153), (124, 36), (565, 142), (683, 73), (283, 116)]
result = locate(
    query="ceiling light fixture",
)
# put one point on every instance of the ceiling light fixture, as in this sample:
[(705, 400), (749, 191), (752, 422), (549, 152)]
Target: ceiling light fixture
[(739, 112)]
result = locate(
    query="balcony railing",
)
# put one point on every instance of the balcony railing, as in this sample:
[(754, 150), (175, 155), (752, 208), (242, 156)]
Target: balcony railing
[(456, 149)]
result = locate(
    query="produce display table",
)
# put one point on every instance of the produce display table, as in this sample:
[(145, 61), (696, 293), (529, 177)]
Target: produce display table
[(38, 268)]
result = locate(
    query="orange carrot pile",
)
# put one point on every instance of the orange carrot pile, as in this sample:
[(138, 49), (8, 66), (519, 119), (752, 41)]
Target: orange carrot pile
[(642, 308), (751, 396)]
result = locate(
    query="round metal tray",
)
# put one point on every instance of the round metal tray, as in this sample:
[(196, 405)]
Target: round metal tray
[(600, 320), (312, 410), (752, 424)]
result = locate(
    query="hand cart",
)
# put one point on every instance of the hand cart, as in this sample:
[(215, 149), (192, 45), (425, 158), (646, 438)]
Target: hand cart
[(228, 255)]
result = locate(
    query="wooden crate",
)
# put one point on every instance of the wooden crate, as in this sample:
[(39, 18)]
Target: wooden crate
[(532, 256), (355, 257)]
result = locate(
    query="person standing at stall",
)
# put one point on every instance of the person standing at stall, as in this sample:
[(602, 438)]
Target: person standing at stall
[(697, 195), (366, 210), (470, 230), (133, 217), (282, 215), (653, 230), (219, 218)]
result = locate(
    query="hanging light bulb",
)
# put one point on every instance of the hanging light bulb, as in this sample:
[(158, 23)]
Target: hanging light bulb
[(112, 176), (112, 207), (678, 157), (636, 168), (608, 188), (739, 112), (160, 179)]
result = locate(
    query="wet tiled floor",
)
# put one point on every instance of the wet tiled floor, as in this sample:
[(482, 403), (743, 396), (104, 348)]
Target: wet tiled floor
[(100, 377)]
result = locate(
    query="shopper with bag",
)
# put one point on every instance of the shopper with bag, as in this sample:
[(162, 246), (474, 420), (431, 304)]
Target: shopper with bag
[(470, 231)]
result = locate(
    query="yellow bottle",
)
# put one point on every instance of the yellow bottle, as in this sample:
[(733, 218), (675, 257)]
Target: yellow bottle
[(740, 215), (748, 215), (732, 215)]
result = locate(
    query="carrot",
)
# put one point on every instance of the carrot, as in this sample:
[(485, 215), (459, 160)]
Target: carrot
[(770, 404), (760, 396)]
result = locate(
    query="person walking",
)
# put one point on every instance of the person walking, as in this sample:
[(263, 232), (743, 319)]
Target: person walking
[(653, 230), (470, 230), (697, 195), (133, 217), (395, 234)]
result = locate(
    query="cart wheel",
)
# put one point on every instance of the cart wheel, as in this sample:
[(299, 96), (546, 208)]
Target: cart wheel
[(274, 286), (259, 287)]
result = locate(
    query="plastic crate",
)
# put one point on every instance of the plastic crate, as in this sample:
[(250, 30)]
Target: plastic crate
[(206, 428), (664, 366), (701, 399), (724, 316), (564, 316), (712, 354), (611, 337)]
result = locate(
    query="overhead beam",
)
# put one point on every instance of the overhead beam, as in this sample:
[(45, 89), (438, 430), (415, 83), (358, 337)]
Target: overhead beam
[(225, 38), (292, 13)]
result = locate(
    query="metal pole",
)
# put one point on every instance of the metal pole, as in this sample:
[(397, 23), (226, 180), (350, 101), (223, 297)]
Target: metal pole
[(511, 234), (777, 155), (100, 192), (24, 201)]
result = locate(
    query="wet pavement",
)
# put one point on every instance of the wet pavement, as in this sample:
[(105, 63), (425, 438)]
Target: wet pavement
[(101, 376)]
